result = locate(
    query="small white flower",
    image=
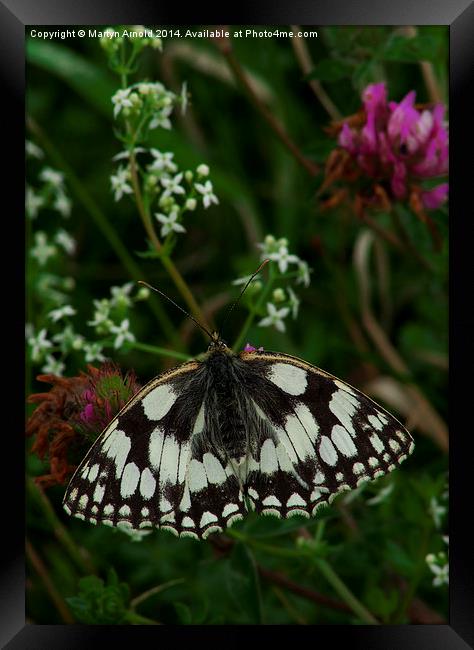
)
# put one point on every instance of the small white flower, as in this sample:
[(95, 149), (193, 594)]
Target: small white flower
[(203, 170), (279, 295), (61, 312), (170, 222), (303, 273), (68, 339), (283, 258), (64, 239), (163, 162), (52, 176), (42, 250), (121, 100), (438, 565), (294, 302), (53, 366), (125, 155), (121, 295), (190, 204), (275, 317), (29, 330), (63, 205), (93, 352), (122, 333), (162, 119), (33, 202), (101, 314), (206, 190), (172, 185), (32, 150), (38, 344), (437, 511), (120, 183)]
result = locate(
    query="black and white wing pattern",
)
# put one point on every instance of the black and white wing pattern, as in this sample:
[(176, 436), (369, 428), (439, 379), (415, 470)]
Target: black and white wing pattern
[(318, 436), (149, 469), (202, 444)]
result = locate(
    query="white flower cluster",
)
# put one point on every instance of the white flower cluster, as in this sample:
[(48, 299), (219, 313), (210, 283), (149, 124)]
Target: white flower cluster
[(284, 300), (51, 193), (147, 104), (438, 565), (137, 36), (110, 322)]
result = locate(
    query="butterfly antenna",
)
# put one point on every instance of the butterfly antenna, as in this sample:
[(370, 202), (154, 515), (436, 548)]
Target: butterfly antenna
[(231, 307), (145, 284)]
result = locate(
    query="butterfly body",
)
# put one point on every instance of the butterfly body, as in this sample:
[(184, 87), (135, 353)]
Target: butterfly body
[(204, 443)]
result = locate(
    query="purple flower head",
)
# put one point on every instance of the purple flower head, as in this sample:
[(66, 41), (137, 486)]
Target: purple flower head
[(398, 145), (432, 199), (250, 348)]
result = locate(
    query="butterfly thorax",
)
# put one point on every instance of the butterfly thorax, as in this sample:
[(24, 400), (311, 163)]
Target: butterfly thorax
[(225, 403)]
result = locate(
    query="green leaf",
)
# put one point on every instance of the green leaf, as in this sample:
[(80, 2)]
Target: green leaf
[(89, 81), (100, 604), (330, 70), (411, 50)]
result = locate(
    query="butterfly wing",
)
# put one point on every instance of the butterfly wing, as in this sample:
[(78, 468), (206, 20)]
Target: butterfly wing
[(134, 475), (318, 435)]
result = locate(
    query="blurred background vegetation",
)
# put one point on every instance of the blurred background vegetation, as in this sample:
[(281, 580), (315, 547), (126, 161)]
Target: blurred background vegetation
[(374, 314)]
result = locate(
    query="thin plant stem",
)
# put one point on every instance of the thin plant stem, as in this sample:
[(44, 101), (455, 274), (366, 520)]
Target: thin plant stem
[(225, 47), (82, 562), (254, 311), (344, 592), (161, 352), (51, 589), (169, 265), (138, 600), (306, 64)]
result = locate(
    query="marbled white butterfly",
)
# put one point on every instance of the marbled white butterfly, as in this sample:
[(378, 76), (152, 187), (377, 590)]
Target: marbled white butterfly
[(202, 444)]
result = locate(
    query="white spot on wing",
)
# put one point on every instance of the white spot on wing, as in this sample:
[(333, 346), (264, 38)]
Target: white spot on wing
[(327, 451), (119, 445), (290, 378), (155, 447), (295, 500), (207, 518), (196, 476), (271, 501), (98, 493), (147, 484), (94, 471), (268, 457), (375, 422), (229, 508), (376, 443), (169, 461), (108, 510), (130, 477), (344, 407), (214, 470), (158, 402), (343, 441), (298, 436)]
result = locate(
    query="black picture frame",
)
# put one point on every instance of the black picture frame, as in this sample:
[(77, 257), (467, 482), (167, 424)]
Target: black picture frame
[(15, 15)]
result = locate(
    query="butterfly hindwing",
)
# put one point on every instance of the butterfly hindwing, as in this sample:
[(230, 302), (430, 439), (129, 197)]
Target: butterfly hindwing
[(323, 436), (134, 474)]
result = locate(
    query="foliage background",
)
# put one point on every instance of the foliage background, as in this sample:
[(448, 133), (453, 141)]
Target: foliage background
[(358, 562)]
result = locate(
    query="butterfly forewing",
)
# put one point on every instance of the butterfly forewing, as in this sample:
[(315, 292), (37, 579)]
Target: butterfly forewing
[(199, 446), (324, 437)]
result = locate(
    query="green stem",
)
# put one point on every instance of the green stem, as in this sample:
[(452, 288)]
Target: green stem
[(345, 593), (37, 494), (137, 619), (105, 226), (255, 309), (154, 590), (162, 352)]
